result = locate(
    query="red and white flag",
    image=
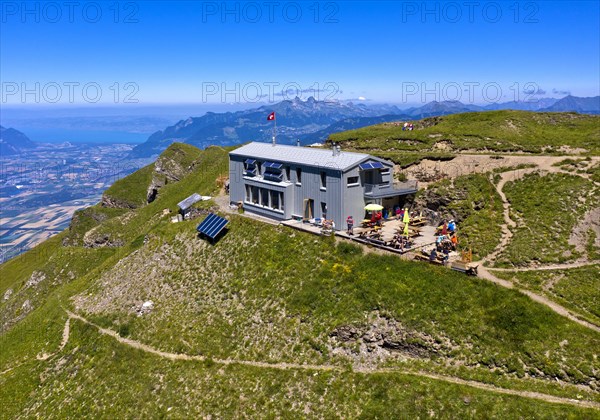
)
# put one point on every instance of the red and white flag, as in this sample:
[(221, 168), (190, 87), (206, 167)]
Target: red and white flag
[(271, 116)]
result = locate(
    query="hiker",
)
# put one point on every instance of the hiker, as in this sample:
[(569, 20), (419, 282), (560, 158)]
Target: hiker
[(398, 212), (444, 229), (433, 255), (350, 222)]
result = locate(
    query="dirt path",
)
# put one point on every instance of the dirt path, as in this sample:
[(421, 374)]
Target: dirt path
[(561, 310), (566, 266), (63, 342), (287, 366), (508, 222)]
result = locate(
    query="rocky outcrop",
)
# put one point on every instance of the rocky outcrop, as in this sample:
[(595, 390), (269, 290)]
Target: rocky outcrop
[(36, 277), (102, 240), (115, 203), (170, 167), (383, 337)]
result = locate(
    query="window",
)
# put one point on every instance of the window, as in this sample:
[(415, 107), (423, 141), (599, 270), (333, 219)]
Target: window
[(275, 199), (298, 176), (264, 197), (250, 167), (273, 176), (352, 181), (323, 180), (385, 171), (254, 195), (273, 171)]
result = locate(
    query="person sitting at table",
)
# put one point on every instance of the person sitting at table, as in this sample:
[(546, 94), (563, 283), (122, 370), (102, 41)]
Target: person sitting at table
[(454, 241), (451, 226), (433, 255)]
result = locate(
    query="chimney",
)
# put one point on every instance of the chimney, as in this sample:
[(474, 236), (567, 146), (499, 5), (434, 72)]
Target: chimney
[(334, 149), (338, 148), (298, 142), (273, 141)]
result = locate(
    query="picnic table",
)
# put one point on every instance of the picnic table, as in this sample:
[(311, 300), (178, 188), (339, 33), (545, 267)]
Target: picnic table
[(418, 221), (412, 233), (372, 234)]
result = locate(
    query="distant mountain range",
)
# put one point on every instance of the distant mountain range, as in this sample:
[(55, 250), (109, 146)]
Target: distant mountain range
[(14, 142), (536, 105), (313, 121), (576, 104)]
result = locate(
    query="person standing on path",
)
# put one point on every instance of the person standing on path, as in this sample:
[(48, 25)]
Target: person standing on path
[(350, 223)]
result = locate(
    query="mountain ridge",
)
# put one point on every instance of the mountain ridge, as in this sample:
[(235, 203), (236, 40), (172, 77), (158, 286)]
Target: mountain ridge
[(312, 120), (13, 142)]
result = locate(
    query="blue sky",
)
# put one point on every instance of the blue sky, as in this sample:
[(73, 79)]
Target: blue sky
[(219, 52)]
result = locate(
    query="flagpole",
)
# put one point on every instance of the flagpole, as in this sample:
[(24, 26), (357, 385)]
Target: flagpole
[(275, 129)]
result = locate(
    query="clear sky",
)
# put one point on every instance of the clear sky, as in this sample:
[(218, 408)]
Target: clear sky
[(219, 52)]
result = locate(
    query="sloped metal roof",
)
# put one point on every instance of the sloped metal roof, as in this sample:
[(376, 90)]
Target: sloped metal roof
[(192, 199), (301, 155)]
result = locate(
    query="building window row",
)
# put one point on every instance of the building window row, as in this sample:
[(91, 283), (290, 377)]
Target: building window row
[(271, 171), (264, 197)]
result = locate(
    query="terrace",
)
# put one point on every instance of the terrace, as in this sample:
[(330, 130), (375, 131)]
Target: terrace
[(386, 190), (385, 237)]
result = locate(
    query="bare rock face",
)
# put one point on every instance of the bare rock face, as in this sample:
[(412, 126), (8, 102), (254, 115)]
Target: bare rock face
[(92, 240), (383, 337), (7, 295), (114, 203), (36, 277), (167, 169)]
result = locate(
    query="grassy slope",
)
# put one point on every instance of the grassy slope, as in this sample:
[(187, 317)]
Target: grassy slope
[(286, 291), (95, 378), (546, 209), (502, 131), (130, 192), (238, 391), (576, 288)]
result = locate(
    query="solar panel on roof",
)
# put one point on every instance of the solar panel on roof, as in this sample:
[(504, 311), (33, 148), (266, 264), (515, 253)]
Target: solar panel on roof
[(212, 225), (250, 162), (371, 165), (273, 165), (271, 176)]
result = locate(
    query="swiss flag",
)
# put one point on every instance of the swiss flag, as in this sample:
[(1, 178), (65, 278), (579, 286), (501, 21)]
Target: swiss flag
[(271, 116)]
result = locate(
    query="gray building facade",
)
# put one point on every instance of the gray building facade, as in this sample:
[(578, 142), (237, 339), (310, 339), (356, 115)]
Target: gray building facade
[(284, 182)]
